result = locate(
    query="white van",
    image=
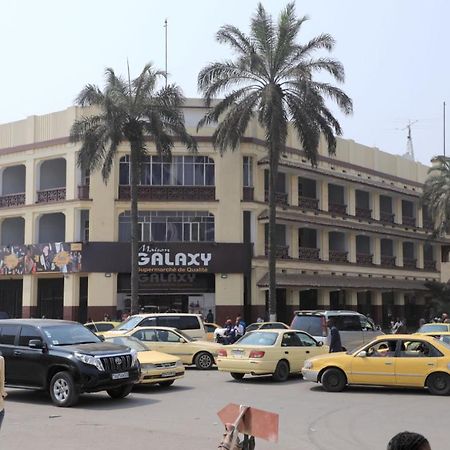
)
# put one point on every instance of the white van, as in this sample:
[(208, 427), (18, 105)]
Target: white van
[(191, 324)]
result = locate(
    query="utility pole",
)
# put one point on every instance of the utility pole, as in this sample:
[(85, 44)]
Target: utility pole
[(165, 26)]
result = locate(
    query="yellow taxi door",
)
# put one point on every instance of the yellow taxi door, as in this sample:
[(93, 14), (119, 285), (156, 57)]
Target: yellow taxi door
[(169, 342), (292, 349), (375, 365)]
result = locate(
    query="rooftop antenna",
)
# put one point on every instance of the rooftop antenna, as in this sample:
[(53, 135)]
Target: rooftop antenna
[(409, 143), (165, 26)]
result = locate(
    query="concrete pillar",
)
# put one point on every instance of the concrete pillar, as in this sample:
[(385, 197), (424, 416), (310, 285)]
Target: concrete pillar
[(399, 304), (29, 232), (377, 306), (351, 299), (71, 296), (323, 298), (376, 250), (258, 183), (29, 296), (293, 244), (351, 200), (71, 224), (71, 176), (293, 190), (351, 247), (438, 256), (419, 215), (324, 244), (229, 296), (260, 244), (102, 295), (30, 181), (323, 204), (398, 249), (375, 205), (419, 255), (397, 209)]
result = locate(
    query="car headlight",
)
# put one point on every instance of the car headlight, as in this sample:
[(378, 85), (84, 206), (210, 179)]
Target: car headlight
[(308, 364), (91, 360), (148, 366), (134, 358), (179, 363)]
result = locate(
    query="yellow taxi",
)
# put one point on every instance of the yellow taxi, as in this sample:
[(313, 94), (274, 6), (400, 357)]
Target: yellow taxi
[(210, 328), (175, 342), (405, 360), (156, 368), (433, 327), (102, 326), (269, 352), (442, 335)]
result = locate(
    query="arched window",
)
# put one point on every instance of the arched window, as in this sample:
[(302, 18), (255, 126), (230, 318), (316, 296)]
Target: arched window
[(169, 226), (180, 171)]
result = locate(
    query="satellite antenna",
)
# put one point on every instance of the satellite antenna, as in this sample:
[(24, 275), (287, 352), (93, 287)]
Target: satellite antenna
[(409, 143)]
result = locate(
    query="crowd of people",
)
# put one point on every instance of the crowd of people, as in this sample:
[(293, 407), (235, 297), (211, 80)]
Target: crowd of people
[(233, 331)]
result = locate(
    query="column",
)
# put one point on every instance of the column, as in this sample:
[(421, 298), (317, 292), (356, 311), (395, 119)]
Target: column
[(323, 298), (399, 304), (323, 195), (375, 205), (419, 215), (398, 248), (260, 241), (351, 247), (377, 306), (30, 181), (29, 296), (324, 245), (30, 236), (351, 299), (294, 243), (71, 234), (71, 296), (351, 200), (258, 182), (376, 250), (419, 255), (397, 209), (71, 176), (293, 190), (229, 296), (102, 295), (438, 256)]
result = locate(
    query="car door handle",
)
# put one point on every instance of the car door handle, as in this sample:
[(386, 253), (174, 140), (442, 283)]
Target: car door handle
[(430, 364), (286, 353), (17, 353), (388, 363), (307, 351)]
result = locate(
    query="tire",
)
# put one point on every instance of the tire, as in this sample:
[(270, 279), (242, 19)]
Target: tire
[(237, 376), (203, 361), (281, 371), (120, 392), (166, 383), (333, 380), (63, 390), (439, 383)]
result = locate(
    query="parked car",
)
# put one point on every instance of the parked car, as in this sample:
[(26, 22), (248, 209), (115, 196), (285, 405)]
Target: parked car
[(441, 335), (177, 343), (156, 368), (355, 328), (434, 327), (269, 352), (390, 360), (65, 359), (191, 324), (101, 327)]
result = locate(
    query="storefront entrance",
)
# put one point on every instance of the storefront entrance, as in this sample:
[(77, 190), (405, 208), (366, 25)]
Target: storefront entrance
[(11, 297), (164, 303), (50, 299)]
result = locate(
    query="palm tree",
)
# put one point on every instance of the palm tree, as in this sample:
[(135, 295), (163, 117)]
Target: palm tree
[(436, 194), (272, 79), (133, 112)]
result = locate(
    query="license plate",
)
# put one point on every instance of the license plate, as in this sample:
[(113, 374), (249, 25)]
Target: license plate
[(119, 376), (168, 374), (238, 353)]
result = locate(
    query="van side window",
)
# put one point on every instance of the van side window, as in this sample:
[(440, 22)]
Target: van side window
[(347, 323), (149, 322), (189, 323), (169, 321), (8, 335)]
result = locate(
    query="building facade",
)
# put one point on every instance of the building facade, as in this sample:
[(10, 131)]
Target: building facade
[(351, 232)]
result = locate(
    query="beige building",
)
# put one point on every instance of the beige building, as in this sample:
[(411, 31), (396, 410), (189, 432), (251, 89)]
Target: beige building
[(352, 233)]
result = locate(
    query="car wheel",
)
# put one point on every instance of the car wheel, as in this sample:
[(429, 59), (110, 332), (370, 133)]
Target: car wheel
[(237, 376), (120, 392), (281, 371), (203, 361), (439, 384), (333, 380), (63, 390)]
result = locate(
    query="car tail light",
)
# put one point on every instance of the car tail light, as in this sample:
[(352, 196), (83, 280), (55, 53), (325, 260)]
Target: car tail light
[(222, 353), (324, 327), (256, 354)]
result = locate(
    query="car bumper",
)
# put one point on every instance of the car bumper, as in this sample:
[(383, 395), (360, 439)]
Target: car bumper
[(95, 381), (310, 375), (253, 366), (153, 377)]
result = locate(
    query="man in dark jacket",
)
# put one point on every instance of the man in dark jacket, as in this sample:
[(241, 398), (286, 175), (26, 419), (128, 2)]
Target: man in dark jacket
[(335, 337)]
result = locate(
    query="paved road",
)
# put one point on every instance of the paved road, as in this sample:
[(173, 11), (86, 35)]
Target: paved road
[(184, 416)]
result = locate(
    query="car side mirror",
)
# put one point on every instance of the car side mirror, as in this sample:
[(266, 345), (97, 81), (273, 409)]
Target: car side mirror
[(101, 337), (36, 343), (319, 344), (362, 354)]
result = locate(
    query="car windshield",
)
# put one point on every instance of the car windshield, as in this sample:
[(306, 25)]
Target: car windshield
[(432, 327), (129, 341), (69, 335), (258, 338), (129, 324), (187, 337)]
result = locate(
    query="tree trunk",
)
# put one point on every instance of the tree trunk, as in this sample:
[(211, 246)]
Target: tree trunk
[(135, 236), (273, 175)]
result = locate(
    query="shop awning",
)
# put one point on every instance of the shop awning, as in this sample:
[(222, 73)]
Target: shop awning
[(342, 282)]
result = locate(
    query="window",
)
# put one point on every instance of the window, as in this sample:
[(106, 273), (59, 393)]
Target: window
[(8, 334), (382, 349), (273, 326), (306, 340), (28, 333), (365, 324), (146, 335), (248, 171), (291, 340), (189, 323), (167, 336), (149, 322), (169, 321), (418, 349), (347, 323)]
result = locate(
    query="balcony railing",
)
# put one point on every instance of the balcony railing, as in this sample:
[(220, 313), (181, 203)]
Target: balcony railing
[(337, 208), (387, 217), (281, 198), (365, 259), (363, 213), (429, 265), (51, 195), (7, 201), (170, 193), (282, 251), (410, 221), (388, 261), (308, 203), (247, 194), (308, 254), (428, 224), (83, 192), (409, 263), (338, 256)]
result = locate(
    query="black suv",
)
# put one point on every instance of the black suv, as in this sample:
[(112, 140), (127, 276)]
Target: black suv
[(66, 359)]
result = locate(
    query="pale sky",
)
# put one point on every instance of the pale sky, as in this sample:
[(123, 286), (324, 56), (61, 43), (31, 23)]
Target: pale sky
[(395, 54)]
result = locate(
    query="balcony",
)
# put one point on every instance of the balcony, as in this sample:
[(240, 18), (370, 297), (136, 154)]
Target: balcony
[(387, 217), (308, 203), (170, 193), (83, 192), (337, 208), (428, 224), (364, 259), (308, 254), (282, 251), (281, 198), (363, 213), (51, 195), (429, 265), (338, 256), (410, 221), (11, 200), (247, 194), (409, 263), (387, 261)]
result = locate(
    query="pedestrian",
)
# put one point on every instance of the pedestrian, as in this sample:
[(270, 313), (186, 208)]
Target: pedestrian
[(335, 337), (259, 320), (239, 327), (445, 318), (398, 327), (106, 317), (2, 389), (228, 334), (422, 322), (210, 317), (408, 441)]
